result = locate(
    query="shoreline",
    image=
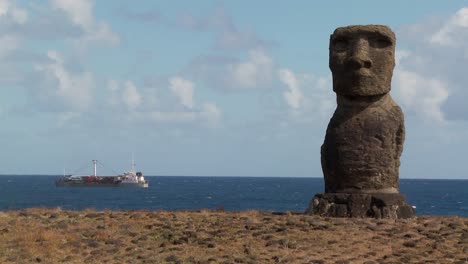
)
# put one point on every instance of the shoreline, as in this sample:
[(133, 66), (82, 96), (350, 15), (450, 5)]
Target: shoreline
[(46, 235)]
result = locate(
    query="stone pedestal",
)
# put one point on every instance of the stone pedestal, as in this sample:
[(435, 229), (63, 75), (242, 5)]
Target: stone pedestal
[(375, 205)]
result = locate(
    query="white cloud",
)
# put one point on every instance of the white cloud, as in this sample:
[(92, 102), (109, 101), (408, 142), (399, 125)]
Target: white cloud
[(430, 76), (309, 98), (80, 11), (143, 107), (424, 95), (447, 34), (319, 100), (184, 90), (102, 33), (130, 96), (17, 15), (62, 89), (4, 5), (66, 89), (325, 97), (20, 16), (81, 14), (293, 95), (257, 69)]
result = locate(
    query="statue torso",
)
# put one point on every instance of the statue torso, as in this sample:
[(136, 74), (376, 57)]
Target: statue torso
[(362, 147)]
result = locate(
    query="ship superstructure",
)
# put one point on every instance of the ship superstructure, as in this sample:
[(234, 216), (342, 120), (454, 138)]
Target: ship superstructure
[(133, 178)]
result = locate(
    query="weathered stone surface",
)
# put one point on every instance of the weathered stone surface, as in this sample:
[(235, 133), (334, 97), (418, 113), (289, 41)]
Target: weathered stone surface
[(364, 140), (363, 144), (387, 205), (362, 59)]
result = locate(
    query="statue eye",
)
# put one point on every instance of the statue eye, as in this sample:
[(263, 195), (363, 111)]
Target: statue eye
[(340, 44), (380, 42)]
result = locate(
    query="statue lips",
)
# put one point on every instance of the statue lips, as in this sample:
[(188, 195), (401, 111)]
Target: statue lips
[(361, 73)]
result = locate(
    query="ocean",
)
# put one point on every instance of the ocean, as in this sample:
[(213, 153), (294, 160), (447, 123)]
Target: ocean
[(431, 197)]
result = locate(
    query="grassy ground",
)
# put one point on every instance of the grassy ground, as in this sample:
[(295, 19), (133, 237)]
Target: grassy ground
[(41, 235)]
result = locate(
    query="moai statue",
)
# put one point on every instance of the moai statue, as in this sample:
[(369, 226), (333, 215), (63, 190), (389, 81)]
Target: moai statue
[(364, 139)]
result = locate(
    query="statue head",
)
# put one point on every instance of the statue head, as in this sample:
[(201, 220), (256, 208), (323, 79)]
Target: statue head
[(362, 59)]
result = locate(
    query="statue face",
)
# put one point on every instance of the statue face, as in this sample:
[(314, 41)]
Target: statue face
[(362, 59)]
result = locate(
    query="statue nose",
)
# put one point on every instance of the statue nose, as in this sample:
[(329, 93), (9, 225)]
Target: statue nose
[(360, 55)]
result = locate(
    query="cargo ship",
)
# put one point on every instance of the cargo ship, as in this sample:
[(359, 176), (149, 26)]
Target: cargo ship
[(127, 179)]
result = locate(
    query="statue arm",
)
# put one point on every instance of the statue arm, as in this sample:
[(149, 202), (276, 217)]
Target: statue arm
[(400, 135)]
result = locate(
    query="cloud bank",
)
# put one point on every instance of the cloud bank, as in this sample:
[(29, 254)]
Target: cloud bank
[(430, 76)]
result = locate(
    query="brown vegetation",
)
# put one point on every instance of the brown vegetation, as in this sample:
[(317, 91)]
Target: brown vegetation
[(58, 236)]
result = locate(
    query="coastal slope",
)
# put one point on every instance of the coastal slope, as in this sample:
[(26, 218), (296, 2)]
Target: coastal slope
[(41, 235)]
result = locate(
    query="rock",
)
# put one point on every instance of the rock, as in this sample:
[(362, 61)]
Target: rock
[(388, 205), (53, 216), (62, 225), (93, 215), (173, 259), (317, 261), (211, 245), (67, 259), (92, 243), (364, 140), (409, 244)]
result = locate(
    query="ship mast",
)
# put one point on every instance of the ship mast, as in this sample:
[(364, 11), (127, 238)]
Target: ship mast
[(94, 164), (133, 162)]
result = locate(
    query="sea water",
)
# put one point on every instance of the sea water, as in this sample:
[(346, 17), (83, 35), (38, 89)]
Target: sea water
[(431, 197)]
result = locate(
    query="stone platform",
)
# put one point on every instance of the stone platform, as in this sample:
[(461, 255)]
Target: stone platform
[(373, 205)]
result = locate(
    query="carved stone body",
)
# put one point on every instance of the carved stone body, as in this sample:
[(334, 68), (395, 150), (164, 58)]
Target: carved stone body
[(363, 145), (365, 136), (364, 140)]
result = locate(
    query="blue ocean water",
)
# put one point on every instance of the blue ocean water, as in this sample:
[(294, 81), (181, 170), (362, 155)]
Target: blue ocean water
[(431, 197)]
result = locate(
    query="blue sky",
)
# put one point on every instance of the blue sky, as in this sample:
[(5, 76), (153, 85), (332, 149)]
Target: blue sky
[(215, 88)]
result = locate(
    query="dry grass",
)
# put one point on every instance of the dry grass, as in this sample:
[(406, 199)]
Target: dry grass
[(58, 236)]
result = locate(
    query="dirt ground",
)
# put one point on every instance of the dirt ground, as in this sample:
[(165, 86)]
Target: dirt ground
[(40, 235)]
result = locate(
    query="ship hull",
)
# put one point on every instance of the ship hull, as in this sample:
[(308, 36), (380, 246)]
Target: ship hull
[(140, 184), (96, 181), (87, 184)]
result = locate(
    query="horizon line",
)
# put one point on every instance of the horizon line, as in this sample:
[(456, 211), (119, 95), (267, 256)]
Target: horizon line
[(228, 176)]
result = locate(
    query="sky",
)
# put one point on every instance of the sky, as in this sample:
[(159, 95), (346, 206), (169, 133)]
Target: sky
[(215, 88)]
